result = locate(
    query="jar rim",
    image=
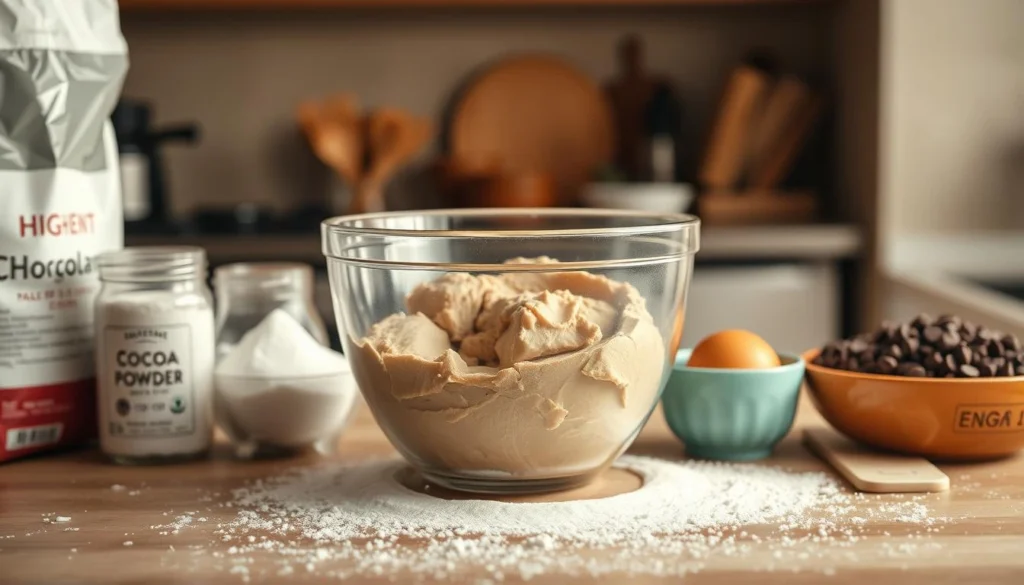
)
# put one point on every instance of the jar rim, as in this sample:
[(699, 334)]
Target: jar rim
[(152, 264), (263, 269), (253, 280)]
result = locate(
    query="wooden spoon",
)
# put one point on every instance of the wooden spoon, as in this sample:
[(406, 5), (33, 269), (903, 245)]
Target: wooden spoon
[(394, 137), (335, 132)]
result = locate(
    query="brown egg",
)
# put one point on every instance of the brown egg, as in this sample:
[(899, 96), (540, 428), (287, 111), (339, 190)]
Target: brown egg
[(735, 349)]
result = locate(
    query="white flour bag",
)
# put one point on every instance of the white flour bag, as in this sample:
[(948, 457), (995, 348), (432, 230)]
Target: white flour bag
[(61, 68)]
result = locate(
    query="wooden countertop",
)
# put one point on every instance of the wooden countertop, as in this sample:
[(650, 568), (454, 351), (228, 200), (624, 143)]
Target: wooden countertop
[(983, 543)]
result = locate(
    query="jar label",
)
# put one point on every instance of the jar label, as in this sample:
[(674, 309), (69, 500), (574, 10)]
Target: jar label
[(147, 381)]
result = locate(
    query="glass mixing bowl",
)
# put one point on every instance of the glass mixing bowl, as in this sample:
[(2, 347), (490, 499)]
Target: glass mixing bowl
[(493, 370)]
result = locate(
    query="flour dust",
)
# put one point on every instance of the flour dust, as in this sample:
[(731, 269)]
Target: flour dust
[(342, 521)]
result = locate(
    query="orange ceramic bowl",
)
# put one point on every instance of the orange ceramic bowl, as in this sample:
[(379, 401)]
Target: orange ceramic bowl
[(943, 418)]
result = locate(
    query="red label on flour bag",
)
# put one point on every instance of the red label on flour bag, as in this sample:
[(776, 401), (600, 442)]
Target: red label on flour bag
[(61, 70)]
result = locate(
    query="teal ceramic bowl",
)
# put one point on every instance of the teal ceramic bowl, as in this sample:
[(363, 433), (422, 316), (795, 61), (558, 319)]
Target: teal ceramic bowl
[(729, 414)]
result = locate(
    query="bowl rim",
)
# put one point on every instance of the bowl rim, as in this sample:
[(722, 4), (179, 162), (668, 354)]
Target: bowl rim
[(809, 355), (281, 379), (663, 222), (796, 362)]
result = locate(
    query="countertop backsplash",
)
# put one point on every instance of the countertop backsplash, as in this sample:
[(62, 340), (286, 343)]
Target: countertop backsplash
[(241, 76)]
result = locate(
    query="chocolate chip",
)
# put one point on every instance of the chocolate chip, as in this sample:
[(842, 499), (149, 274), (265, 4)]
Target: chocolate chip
[(923, 320), (914, 370), (894, 351), (949, 340), (933, 334), (969, 371), (944, 347), (950, 363), (1011, 343), (887, 364), (994, 347), (962, 354), (910, 346)]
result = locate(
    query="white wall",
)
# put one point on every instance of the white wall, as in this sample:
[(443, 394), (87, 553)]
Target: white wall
[(952, 101)]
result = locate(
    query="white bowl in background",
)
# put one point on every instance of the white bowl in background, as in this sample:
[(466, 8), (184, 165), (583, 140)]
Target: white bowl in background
[(651, 197)]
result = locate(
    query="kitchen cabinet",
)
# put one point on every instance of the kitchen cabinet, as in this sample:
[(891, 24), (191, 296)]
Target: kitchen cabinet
[(792, 306)]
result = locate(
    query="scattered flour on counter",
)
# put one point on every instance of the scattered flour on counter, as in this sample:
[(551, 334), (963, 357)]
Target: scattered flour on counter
[(186, 520), (342, 521)]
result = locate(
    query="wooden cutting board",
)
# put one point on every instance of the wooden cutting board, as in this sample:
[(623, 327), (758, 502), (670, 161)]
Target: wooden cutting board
[(535, 113)]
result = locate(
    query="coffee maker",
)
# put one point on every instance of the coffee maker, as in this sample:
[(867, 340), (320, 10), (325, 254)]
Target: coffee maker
[(143, 185)]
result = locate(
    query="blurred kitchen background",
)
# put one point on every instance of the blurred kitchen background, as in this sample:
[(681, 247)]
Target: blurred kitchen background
[(851, 159)]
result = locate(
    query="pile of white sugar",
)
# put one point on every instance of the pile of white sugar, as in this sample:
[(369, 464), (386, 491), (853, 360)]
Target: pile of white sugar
[(280, 387), (359, 520)]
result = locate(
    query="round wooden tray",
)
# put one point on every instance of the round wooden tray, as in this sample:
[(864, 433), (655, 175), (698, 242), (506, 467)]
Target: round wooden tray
[(534, 113)]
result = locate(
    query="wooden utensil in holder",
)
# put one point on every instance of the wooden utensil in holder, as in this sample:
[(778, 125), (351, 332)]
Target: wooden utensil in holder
[(364, 150), (763, 125), (334, 128), (395, 136)]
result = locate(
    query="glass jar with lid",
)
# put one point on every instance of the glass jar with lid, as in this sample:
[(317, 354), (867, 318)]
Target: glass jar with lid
[(281, 391), (154, 354), (247, 292)]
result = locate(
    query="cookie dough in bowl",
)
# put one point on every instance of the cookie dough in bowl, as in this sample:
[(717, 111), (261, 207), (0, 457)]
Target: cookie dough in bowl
[(543, 375), (531, 375)]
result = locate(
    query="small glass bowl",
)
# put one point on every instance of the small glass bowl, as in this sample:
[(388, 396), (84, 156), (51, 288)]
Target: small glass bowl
[(249, 291), (268, 417), (472, 438)]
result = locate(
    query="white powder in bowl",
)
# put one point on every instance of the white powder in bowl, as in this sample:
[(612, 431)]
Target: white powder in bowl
[(280, 347), (280, 387)]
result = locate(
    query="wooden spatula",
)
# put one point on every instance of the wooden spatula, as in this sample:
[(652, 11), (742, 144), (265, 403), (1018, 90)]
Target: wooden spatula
[(335, 132), (871, 471), (394, 136)]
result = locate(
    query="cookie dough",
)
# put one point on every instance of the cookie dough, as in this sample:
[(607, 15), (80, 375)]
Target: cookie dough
[(522, 374)]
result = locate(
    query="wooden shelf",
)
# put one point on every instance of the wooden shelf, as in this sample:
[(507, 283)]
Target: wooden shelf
[(813, 242), (174, 5)]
